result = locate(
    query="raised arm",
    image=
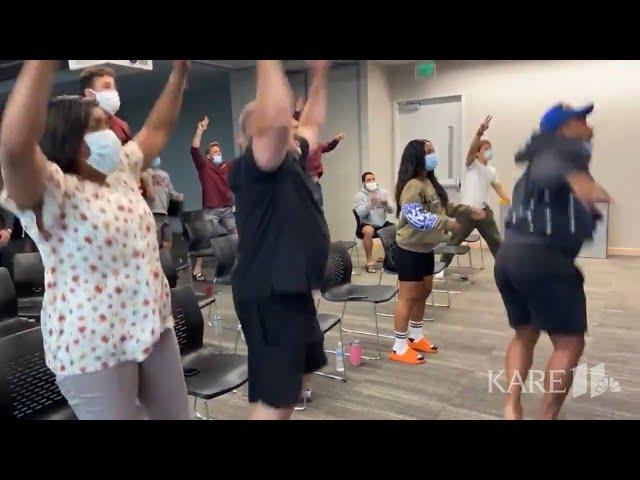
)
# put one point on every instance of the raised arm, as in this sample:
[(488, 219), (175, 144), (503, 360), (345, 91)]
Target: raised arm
[(330, 146), (473, 148), (23, 163), (197, 137), (315, 110), (160, 122), (502, 193), (271, 129)]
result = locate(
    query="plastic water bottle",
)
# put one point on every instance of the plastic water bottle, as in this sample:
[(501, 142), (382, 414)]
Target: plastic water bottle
[(339, 358)]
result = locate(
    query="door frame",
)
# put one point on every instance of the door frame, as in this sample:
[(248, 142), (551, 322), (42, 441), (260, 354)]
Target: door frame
[(396, 131)]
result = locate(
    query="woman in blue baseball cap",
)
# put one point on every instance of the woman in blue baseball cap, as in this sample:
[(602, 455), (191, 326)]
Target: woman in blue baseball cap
[(552, 214)]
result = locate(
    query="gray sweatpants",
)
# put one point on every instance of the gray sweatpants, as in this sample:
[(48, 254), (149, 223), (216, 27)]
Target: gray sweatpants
[(154, 389)]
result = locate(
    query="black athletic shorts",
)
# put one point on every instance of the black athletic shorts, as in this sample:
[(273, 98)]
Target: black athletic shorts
[(284, 342), (541, 287), (360, 235), (413, 266)]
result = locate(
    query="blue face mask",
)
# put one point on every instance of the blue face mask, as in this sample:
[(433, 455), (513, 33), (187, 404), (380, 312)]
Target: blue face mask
[(431, 161), (104, 147), (217, 159), (588, 146), (156, 162)]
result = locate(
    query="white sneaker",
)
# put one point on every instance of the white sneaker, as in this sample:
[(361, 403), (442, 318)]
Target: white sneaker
[(440, 275)]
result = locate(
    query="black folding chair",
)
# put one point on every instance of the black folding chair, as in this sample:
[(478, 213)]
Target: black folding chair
[(28, 278), (10, 322), (208, 373), (28, 389), (338, 288)]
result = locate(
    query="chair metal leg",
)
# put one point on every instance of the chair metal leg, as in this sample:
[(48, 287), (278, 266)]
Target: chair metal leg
[(375, 312), (196, 414), (481, 255), (238, 333)]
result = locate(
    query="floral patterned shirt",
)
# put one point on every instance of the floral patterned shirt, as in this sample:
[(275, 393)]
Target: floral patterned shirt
[(106, 300)]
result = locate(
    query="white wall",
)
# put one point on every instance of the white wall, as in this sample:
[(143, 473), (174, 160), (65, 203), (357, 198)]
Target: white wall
[(380, 125), (341, 178), (516, 93)]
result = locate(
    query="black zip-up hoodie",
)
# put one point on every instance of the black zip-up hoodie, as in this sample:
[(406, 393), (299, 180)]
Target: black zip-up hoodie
[(545, 210)]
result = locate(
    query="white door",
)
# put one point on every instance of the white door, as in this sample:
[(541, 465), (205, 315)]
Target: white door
[(438, 120)]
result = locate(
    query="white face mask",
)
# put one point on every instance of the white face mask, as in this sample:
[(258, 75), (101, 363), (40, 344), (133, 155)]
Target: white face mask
[(109, 101), (488, 155), (371, 186), (217, 159), (104, 147)]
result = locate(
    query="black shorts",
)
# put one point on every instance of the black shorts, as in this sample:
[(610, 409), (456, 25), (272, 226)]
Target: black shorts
[(163, 227), (284, 342), (360, 235), (541, 287), (413, 266)]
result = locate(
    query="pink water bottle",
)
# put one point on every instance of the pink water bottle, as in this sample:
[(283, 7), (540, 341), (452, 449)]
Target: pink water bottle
[(355, 353)]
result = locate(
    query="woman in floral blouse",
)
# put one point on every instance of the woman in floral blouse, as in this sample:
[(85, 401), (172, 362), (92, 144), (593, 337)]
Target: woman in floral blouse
[(106, 315)]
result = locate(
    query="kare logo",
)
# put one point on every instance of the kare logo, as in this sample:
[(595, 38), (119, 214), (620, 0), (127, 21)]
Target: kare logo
[(585, 380), (593, 380)]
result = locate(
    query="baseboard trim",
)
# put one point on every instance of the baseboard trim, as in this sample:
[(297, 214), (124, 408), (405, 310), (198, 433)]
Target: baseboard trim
[(627, 252)]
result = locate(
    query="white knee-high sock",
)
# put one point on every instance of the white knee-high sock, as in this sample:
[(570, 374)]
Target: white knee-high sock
[(415, 331), (401, 346)]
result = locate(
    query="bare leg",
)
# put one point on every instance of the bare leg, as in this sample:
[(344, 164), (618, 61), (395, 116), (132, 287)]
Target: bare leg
[(263, 411), (517, 364), (197, 268), (367, 242), (409, 298), (567, 350)]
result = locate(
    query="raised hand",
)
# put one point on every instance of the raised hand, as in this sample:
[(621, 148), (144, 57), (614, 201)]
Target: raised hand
[(319, 65), (339, 137), (204, 124), (484, 126)]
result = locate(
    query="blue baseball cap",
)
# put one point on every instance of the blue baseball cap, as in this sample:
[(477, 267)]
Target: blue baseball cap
[(557, 115)]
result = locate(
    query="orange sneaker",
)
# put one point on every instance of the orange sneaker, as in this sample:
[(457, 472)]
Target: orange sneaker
[(410, 357), (423, 345)]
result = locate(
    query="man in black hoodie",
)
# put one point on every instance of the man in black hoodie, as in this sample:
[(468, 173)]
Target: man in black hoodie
[(553, 213)]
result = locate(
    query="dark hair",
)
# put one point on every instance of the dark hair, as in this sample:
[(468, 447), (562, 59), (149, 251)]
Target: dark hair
[(412, 165), (211, 145), (364, 175), (482, 144), (88, 75), (67, 123)]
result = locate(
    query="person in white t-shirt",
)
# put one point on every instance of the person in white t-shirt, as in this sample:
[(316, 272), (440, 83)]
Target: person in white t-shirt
[(478, 179)]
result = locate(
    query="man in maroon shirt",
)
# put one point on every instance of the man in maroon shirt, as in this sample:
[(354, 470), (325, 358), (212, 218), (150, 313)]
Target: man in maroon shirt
[(217, 199), (314, 160), (315, 168), (100, 83)]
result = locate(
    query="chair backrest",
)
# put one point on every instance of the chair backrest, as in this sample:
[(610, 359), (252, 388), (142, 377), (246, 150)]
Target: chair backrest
[(175, 207), (28, 274), (191, 215), (8, 297), (168, 267), (225, 251), (28, 389), (358, 222), (339, 267), (187, 317), (387, 237)]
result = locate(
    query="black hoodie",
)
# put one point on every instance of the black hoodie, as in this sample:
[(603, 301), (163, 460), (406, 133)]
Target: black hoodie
[(545, 210)]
